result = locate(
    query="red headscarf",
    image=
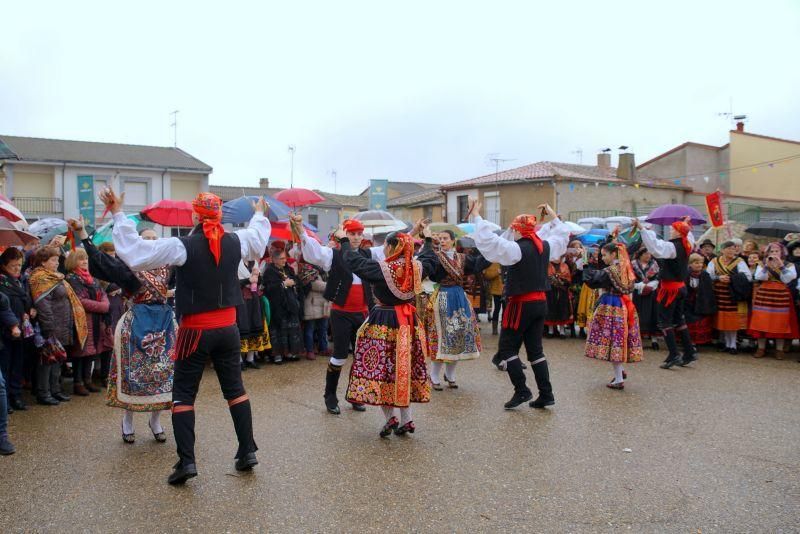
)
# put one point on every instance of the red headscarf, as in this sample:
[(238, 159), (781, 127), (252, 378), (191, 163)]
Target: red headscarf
[(683, 228), (352, 225), (208, 208), (404, 273), (525, 225)]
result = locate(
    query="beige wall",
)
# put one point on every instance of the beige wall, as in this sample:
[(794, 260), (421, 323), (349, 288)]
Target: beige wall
[(693, 162), (602, 197), (782, 181), (33, 181), (184, 189), (520, 198)]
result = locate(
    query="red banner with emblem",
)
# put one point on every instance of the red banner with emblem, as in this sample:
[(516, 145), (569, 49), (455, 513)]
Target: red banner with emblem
[(714, 205)]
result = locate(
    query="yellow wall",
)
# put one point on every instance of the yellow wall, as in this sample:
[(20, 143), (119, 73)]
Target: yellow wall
[(33, 181), (516, 199), (780, 181), (184, 189)]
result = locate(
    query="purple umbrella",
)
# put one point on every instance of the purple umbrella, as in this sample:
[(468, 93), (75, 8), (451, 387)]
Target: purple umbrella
[(670, 213)]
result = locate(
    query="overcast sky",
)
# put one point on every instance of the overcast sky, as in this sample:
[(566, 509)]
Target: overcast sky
[(412, 90)]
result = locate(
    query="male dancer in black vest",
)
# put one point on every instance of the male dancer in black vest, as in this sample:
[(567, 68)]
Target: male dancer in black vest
[(673, 260), (351, 299), (526, 253), (207, 294)]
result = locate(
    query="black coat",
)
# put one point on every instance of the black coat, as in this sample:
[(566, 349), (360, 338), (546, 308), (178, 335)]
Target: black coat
[(283, 301)]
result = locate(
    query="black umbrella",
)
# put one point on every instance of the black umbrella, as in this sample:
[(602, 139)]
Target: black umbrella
[(773, 228)]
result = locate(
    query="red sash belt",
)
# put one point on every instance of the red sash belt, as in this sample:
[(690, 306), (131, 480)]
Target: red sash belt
[(405, 336), (512, 315), (628, 303), (355, 301), (668, 290), (193, 325)]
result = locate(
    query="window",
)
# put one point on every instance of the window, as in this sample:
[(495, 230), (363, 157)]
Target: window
[(179, 232), (137, 192), (100, 183), (491, 207), (313, 220), (427, 212), (463, 208)]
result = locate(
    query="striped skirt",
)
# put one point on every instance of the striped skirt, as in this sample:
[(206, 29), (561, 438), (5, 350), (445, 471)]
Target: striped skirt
[(731, 316), (773, 314)]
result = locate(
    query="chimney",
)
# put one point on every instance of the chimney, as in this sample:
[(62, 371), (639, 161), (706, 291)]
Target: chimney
[(626, 168), (263, 183), (604, 160), (740, 126)]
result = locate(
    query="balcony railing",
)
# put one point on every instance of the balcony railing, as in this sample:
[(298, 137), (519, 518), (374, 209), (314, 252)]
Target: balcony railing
[(32, 206)]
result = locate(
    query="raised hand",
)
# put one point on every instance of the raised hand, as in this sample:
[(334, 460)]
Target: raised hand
[(545, 208), (475, 206), (112, 201), (262, 206), (340, 233), (78, 227)]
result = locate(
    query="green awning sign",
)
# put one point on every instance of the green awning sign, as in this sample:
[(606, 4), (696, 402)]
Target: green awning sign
[(86, 198)]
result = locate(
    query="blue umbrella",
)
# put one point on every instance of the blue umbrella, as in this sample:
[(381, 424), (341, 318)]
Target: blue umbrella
[(593, 237), (46, 229), (240, 210)]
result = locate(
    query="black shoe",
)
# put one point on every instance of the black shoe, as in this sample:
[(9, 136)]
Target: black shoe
[(246, 462), (733, 351), (654, 345), (686, 360), (541, 402), (332, 405), (63, 397), (292, 358), (391, 424), (358, 407), (407, 428), (518, 399), (9, 410), (6, 447), (278, 360), (670, 362), (18, 405), (253, 365), (48, 401), (182, 473)]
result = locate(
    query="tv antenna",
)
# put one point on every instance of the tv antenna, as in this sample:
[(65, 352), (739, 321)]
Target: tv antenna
[(730, 116), (578, 152), (495, 159), (333, 175), (174, 128)]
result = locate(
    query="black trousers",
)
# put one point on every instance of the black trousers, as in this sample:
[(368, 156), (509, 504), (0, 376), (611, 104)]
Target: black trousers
[(12, 361), (344, 326), (496, 305), (529, 332), (531, 327), (674, 315), (222, 346)]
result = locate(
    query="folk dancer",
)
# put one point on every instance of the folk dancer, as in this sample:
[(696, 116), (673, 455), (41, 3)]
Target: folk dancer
[(673, 261), (527, 255), (207, 293)]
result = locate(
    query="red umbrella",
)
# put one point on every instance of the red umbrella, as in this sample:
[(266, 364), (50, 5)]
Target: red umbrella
[(11, 236), (298, 196), (169, 213), (282, 231), (9, 210)]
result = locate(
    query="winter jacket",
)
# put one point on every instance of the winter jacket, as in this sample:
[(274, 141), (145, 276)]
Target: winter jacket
[(95, 301), (54, 313)]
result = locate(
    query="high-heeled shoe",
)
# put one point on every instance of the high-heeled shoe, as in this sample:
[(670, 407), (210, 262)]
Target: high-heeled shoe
[(390, 425), (160, 437), (406, 428), (127, 438)]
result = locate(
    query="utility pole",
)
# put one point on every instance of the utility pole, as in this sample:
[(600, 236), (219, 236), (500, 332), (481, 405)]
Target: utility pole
[(291, 149), (174, 128)]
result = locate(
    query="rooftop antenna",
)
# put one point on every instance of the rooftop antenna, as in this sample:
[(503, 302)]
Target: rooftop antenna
[(333, 174), (174, 128), (578, 152), (494, 158), (291, 150), (730, 116)]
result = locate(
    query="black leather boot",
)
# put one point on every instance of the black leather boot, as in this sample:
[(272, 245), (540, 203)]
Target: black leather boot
[(673, 358), (331, 383), (521, 391), (242, 416), (542, 374), (689, 354)]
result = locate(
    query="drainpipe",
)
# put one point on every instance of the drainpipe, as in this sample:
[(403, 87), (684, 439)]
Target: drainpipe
[(63, 189)]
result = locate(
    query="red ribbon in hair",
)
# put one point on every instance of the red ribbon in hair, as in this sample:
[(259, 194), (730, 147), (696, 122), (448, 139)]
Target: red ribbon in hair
[(404, 248), (208, 208), (683, 228), (525, 225)]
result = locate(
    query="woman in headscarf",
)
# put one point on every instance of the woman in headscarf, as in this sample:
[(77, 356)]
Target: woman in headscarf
[(251, 315), (62, 321), (389, 365), (614, 331), (773, 313), (453, 334), (731, 313), (280, 286), (645, 267)]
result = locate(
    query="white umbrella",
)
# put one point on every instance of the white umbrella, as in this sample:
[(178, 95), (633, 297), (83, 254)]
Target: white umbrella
[(575, 228)]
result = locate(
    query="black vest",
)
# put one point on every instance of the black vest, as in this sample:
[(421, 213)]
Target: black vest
[(530, 273), (340, 280), (676, 269), (202, 285)]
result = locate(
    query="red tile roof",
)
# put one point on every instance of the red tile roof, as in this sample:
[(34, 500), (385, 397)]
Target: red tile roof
[(538, 171)]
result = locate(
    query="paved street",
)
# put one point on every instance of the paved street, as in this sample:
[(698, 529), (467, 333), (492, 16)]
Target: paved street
[(714, 448)]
